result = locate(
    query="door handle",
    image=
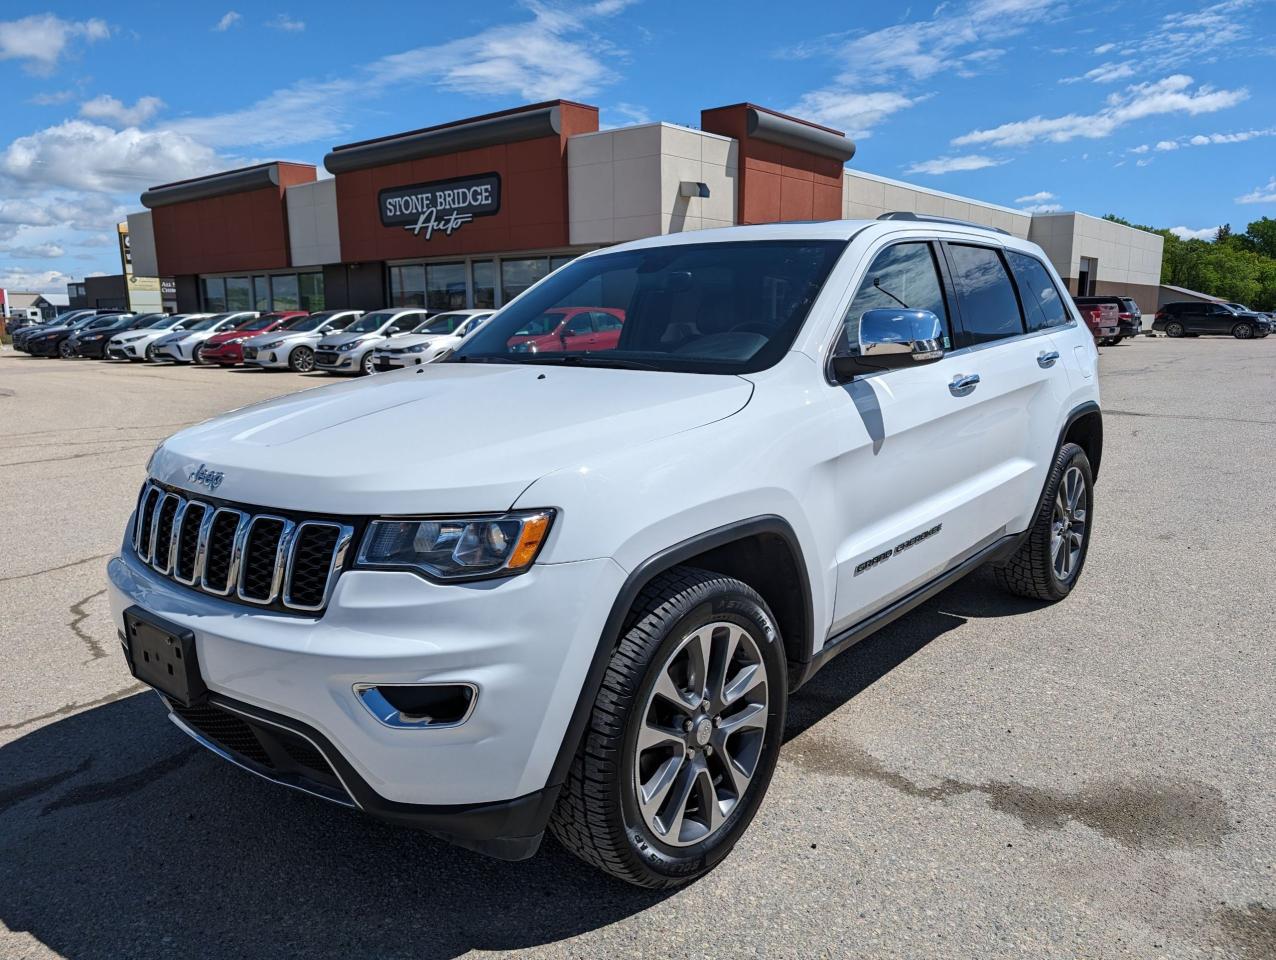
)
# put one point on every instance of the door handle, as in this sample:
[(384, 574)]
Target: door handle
[(963, 383), (1047, 359)]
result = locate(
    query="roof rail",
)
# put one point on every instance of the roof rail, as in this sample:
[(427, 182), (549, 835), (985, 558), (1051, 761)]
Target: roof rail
[(909, 215)]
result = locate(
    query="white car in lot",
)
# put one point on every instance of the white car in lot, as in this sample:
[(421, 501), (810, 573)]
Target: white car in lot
[(183, 346), (573, 590), (293, 348), (140, 344), (350, 351), (429, 341)]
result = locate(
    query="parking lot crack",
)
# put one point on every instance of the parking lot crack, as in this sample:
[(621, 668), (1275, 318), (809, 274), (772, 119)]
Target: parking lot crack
[(1186, 416), (78, 616), (70, 708), (64, 566)]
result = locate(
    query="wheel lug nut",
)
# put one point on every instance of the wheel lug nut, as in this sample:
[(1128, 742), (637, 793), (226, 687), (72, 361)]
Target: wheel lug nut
[(687, 726), (708, 751)]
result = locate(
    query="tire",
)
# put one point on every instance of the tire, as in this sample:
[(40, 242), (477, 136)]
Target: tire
[(301, 360), (65, 351), (1243, 331), (1117, 339), (1174, 329), (1037, 570), (150, 353), (598, 816), (197, 354), (365, 365)]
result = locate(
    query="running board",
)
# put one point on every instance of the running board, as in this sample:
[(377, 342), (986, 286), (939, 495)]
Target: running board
[(843, 641)]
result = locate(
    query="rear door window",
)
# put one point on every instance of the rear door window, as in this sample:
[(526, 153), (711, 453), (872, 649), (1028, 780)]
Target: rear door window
[(989, 308), (1042, 305)]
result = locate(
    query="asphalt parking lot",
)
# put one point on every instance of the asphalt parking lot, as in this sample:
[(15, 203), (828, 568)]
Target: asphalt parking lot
[(985, 778)]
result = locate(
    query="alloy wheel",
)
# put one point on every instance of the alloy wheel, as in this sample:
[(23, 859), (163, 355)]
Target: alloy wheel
[(303, 360), (1068, 529), (1242, 331), (701, 734), (366, 363), (64, 350), (1174, 330)]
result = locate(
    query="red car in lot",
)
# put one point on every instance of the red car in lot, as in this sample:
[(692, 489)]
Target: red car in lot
[(567, 329), (226, 349)]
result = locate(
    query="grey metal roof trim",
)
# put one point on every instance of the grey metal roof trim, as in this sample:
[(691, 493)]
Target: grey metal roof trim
[(527, 125), (800, 136), (219, 184)]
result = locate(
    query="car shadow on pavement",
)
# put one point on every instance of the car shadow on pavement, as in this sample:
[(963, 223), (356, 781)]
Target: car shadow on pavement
[(120, 837), (846, 676)]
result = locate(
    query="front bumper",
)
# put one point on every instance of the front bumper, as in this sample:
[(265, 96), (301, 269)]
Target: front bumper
[(227, 356), (171, 352), (334, 362), (526, 643), (271, 359), (122, 351)]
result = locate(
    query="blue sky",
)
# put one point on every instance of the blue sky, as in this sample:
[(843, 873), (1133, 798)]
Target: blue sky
[(1163, 111)]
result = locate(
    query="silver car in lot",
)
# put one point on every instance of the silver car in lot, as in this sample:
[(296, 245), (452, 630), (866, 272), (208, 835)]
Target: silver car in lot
[(350, 351), (139, 344), (184, 345), (293, 347), (430, 340)]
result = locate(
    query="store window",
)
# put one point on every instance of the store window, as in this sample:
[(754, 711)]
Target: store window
[(214, 295), (283, 292), (238, 293), (484, 283), (556, 262), (445, 286), (261, 294), (407, 286), (518, 275), (312, 298)]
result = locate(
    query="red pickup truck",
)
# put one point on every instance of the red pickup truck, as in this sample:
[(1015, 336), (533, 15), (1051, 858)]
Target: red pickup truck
[(1104, 321), (227, 348)]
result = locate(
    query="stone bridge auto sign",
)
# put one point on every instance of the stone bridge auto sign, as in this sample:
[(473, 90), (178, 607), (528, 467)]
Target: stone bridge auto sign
[(443, 206)]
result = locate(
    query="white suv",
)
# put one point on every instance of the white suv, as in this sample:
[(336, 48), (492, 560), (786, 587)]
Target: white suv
[(574, 589)]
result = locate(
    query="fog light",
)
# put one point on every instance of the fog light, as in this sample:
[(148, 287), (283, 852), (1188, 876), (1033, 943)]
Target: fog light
[(416, 705)]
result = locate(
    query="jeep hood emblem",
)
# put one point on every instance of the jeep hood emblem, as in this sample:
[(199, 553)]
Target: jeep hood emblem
[(212, 479)]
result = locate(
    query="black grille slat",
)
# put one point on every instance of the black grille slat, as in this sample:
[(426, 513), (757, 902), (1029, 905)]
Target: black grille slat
[(226, 730), (261, 553), (145, 516), (312, 561), (164, 532), (188, 541), (221, 545)]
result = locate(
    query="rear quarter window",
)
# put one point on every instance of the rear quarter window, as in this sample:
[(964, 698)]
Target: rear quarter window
[(1042, 305)]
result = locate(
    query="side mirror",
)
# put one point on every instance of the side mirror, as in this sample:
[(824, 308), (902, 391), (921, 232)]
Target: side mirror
[(890, 339)]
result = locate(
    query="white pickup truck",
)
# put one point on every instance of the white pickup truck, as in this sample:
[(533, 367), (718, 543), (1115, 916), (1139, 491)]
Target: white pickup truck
[(573, 589)]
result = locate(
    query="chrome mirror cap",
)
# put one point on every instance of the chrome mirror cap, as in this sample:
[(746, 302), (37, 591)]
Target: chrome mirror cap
[(917, 334)]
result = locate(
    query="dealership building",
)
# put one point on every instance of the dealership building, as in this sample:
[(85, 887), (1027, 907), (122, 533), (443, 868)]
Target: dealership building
[(471, 213)]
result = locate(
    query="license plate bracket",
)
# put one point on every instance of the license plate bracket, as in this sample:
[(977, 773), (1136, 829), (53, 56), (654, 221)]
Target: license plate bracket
[(163, 655)]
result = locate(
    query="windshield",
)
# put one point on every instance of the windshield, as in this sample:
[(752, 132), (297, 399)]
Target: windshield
[(442, 323), (161, 323), (697, 307), (208, 322), (257, 323), (370, 321), (301, 323)]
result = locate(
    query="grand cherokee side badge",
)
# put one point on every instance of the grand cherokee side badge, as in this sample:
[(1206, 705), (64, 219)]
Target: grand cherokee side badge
[(212, 479), (885, 555)]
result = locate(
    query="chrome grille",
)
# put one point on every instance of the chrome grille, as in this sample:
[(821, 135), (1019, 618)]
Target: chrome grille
[(257, 558)]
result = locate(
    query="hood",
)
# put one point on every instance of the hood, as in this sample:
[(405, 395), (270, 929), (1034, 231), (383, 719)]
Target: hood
[(225, 335), (411, 340), (442, 438), (331, 341), (271, 336)]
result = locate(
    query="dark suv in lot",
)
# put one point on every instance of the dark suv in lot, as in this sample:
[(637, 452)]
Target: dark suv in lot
[(1189, 318), (1130, 317)]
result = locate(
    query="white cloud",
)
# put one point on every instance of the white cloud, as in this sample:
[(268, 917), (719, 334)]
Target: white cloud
[(285, 23), (1042, 208), (941, 165), (1170, 95), (629, 113), (1104, 48), (42, 281), (52, 98), (1141, 148), (228, 20), (42, 38), (80, 155), (1187, 233), (1264, 194), (39, 251), (1039, 197), (99, 240), (120, 114), (1164, 145), (1104, 73), (855, 112), (1143, 163)]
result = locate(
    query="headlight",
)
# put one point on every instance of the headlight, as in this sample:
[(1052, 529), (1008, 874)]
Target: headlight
[(271, 345), (457, 548), (348, 345), (136, 336), (419, 348)]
